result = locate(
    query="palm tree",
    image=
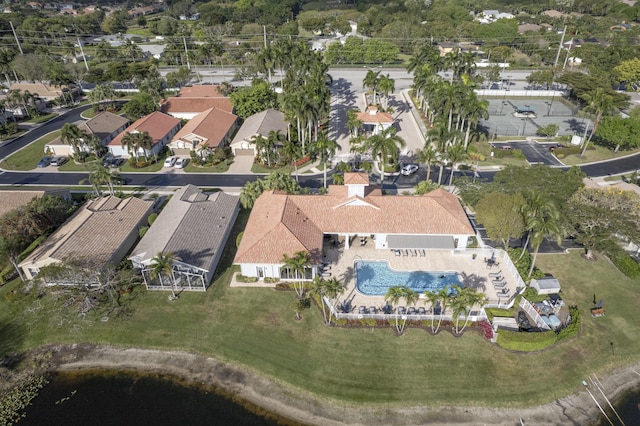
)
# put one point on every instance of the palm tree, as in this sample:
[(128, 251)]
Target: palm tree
[(535, 208), (461, 304), (264, 147), (475, 110), (394, 295), (456, 154), (386, 85), (297, 265), (333, 289), (325, 148), (543, 226), (384, 147), (71, 135), (428, 155), (371, 81), (137, 141), (318, 288), (443, 297), (600, 102), (433, 299), (291, 153), (162, 266), (410, 297), (353, 123)]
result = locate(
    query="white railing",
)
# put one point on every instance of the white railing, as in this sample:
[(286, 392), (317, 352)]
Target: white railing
[(533, 314)]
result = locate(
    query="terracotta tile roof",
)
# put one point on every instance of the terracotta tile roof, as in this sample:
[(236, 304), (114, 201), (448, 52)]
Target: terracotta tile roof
[(40, 89), (356, 178), (281, 223), (156, 123), (176, 105), (97, 230), (210, 126), (372, 115), (201, 91)]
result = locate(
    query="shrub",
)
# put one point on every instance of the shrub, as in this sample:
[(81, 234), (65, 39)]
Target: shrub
[(624, 262), (574, 325), (498, 312), (152, 218), (369, 322), (271, 280), (526, 342), (245, 279), (341, 321), (486, 329)]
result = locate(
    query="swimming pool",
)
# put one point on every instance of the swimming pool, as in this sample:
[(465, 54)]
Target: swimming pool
[(374, 278)]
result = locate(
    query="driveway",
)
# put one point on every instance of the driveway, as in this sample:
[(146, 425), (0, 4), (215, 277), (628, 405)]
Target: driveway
[(535, 152)]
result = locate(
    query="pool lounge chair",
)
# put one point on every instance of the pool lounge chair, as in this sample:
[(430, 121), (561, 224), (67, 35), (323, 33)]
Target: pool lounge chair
[(405, 252), (503, 293), (411, 311), (498, 282), (501, 287), (373, 310), (422, 253), (396, 252), (362, 310), (326, 275), (414, 253), (402, 310), (422, 310), (495, 274)]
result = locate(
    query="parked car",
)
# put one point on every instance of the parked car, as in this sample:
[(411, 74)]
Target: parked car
[(181, 162), (116, 162), (106, 160), (409, 169), (44, 162), (58, 161), (170, 161), (505, 147)]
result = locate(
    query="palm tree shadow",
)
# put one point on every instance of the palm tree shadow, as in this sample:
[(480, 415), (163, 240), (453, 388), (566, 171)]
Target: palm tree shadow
[(473, 281)]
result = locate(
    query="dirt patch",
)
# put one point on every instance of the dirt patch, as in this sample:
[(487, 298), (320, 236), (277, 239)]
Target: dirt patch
[(296, 404)]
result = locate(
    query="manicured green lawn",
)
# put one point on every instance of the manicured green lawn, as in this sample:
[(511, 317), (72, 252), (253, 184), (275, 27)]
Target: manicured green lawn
[(27, 158), (259, 168), (600, 153), (255, 328), (155, 167), (42, 118)]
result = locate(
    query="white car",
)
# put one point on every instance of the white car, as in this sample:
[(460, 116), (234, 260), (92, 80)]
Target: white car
[(181, 163), (409, 169), (170, 161)]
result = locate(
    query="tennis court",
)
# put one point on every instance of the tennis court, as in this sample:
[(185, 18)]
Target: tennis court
[(523, 117)]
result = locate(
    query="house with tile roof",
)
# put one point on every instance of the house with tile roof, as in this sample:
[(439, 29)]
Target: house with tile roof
[(201, 91), (210, 129), (161, 127), (194, 227), (259, 124), (186, 108), (285, 224), (105, 126), (103, 229), (12, 199), (375, 121)]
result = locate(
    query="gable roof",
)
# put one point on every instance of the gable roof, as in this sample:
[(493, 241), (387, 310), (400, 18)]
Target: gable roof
[(104, 124), (201, 91), (10, 199), (372, 115), (156, 123), (192, 226), (281, 223), (40, 89), (210, 126), (261, 124), (97, 230), (175, 105)]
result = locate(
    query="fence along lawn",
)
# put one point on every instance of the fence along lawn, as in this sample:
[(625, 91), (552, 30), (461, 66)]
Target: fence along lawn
[(255, 328)]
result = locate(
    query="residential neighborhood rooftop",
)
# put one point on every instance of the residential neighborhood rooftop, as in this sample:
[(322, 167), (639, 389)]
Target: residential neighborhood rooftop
[(210, 127), (156, 124)]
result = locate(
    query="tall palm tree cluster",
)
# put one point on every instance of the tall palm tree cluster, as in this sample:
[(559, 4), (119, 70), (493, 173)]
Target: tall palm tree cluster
[(379, 84), (306, 97), (22, 100), (449, 104), (82, 143)]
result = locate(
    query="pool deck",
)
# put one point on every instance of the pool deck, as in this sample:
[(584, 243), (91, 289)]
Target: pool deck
[(472, 273)]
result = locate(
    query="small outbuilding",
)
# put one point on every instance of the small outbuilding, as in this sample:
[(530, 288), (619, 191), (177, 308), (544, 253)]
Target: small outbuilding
[(546, 285)]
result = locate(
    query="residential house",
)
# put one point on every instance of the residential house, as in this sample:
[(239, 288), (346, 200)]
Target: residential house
[(285, 224), (211, 129), (161, 127), (194, 227), (105, 126), (187, 108), (44, 91), (192, 100), (374, 121), (446, 47), (12, 199), (103, 230), (259, 124)]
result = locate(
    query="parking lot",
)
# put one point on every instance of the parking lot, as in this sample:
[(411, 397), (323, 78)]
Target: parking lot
[(535, 152)]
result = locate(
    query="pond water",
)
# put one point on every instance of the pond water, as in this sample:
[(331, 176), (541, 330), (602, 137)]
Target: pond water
[(123, 398)]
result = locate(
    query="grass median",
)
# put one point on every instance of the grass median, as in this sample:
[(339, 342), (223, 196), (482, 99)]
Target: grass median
[(255, 328), (28, 157)]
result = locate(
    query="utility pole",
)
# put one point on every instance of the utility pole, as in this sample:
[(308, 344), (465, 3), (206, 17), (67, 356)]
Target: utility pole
[(184, 40), (555, 64), (84, 58), (16, 37), (264, 35)]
